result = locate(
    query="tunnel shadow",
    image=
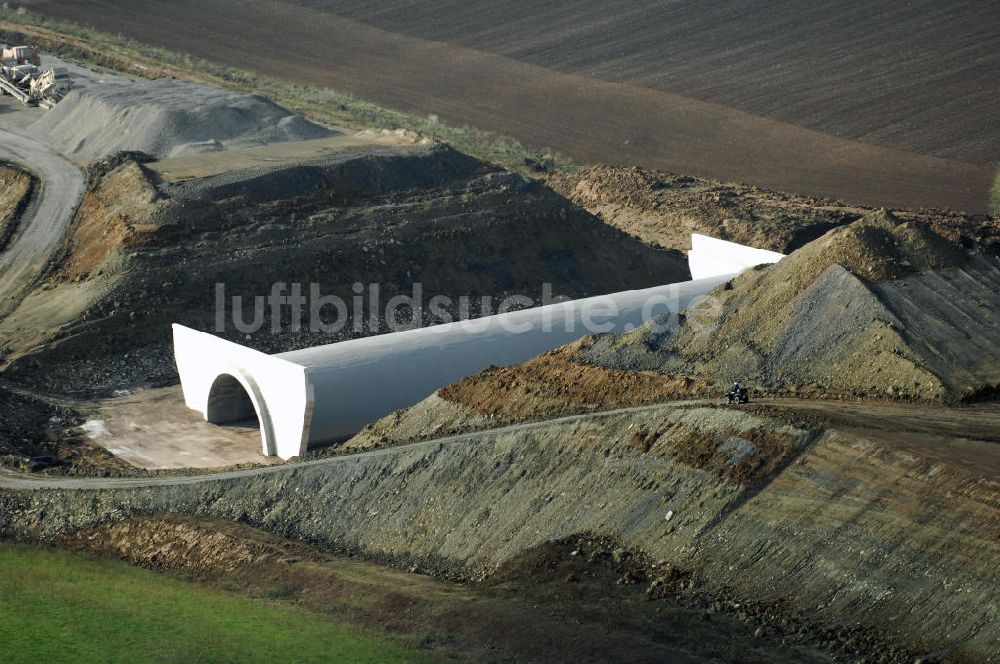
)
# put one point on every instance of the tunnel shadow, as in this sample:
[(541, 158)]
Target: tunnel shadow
[(230, 404)]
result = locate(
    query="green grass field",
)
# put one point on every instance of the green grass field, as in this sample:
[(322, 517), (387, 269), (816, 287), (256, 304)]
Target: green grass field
[(57, 606)]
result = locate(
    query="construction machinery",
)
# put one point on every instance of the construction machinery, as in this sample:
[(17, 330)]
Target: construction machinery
[(22, 77)]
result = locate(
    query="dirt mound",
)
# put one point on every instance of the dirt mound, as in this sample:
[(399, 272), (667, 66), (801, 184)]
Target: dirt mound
[(549, 386), (881, 307), (665, 208), (16, 188), (554, 384), (167, 118), (201, 546)]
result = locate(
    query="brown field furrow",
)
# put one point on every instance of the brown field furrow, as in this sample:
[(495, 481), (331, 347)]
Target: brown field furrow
[(921, 76), (589, 119)]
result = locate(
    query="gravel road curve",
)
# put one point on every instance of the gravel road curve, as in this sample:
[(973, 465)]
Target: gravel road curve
[(47, 218)]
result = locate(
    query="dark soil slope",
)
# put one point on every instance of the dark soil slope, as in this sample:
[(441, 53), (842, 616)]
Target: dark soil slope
[(16, 187), (880, 307), (143, 255)]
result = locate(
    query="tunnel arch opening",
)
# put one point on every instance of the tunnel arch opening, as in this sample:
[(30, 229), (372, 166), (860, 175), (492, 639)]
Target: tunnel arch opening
[(235, 401)]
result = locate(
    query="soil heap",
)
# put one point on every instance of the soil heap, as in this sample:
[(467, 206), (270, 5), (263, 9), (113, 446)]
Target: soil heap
[(881, 307), (663, 209)]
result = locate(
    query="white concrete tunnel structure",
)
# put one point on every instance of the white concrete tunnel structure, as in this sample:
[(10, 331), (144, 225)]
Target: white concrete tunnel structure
[(327, 393)]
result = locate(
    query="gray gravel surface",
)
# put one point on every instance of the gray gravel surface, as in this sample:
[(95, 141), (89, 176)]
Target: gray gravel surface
[(47, 218), (167, 118)]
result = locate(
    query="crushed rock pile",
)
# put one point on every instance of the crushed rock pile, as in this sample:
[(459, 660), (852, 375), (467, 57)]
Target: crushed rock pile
[(167, 118), (878, 308)]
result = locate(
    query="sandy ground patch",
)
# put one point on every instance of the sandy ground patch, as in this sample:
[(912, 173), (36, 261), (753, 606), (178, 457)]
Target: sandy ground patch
[(153, 429), (213, 163)]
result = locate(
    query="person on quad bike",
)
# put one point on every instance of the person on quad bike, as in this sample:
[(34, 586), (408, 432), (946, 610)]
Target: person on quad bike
[(738, 394)]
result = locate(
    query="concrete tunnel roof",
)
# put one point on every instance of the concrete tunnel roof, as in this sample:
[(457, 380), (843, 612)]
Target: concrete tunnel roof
[(329, 392)]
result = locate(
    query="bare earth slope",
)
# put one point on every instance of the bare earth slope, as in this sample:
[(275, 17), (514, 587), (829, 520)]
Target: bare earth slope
[(844, 527), (575, 113), (16, 187)]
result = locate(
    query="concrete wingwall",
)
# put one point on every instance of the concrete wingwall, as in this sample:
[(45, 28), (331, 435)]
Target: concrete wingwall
[(278, 390), (710, 257)]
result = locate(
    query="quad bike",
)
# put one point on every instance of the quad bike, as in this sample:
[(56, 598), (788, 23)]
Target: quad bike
[(741, 395)]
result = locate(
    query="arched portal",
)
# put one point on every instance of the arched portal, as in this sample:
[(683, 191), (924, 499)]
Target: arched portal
[(234, 399), (229, 401)]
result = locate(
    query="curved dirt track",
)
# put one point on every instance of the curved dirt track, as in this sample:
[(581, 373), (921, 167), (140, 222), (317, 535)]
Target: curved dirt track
[(45, 221), (963, 436), (586, 118)]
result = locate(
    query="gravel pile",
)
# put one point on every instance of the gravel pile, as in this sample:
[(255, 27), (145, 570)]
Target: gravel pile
[(167, 118)]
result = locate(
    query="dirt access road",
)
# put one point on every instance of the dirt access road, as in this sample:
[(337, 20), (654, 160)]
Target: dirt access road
[(589, 119), (47, 218), (963, 436)]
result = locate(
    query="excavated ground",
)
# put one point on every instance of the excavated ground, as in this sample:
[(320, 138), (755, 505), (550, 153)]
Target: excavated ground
[(880, 308), (663, 209), (166, 118), (790, 530), (871, 542), (551, 385), (16, 190), (145, 253)]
